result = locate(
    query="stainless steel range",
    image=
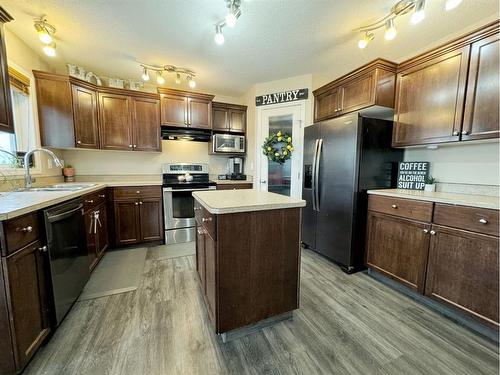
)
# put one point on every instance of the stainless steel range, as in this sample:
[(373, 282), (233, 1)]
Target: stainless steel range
[(179, 181)]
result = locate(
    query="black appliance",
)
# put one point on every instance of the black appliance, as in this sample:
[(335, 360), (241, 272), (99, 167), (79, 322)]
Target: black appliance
[(343, 158), (69, 263), (185, 134)]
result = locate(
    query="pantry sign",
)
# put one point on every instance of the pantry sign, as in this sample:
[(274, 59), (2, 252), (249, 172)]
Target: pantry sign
[(412, 174)]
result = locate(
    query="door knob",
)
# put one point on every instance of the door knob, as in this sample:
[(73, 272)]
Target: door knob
[(263, 181), (483, 221), (394, 206), (433, 232), (456, 132), (136, 203), (465, 132), (426, 231), (43, 249)]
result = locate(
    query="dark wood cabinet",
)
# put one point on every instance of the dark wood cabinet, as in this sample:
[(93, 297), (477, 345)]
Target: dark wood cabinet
[(185, 109), (463, 272), (210, 275), (102, 230), (398, 248), (200, 254), (91, 239), (150, 217), (235, 186), (6, 117), (85, 117), (27, 301), (115, 122), (146, 124), (126, 219), (481, 117), (450, 93), (372, 84), (96, 226), (229, 117)]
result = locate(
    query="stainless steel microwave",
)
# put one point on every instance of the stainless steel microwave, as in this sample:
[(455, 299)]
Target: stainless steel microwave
[(228, 143)]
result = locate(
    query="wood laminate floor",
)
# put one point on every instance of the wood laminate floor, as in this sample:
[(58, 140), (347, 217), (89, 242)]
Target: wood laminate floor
[(345, 325)]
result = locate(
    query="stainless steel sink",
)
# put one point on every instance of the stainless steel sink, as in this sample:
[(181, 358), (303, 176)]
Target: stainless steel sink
[(60, 187)]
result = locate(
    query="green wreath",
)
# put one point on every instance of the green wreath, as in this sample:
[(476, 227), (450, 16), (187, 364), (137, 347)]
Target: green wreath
[(278, 147)]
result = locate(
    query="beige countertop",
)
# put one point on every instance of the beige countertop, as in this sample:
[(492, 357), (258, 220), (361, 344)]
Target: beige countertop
[(17, 203), (246, 200), (482, 201)]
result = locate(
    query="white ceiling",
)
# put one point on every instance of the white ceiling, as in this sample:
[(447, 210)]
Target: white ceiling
[(273, 39)]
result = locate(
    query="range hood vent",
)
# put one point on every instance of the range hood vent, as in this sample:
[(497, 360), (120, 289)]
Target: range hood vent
[(185, 134)]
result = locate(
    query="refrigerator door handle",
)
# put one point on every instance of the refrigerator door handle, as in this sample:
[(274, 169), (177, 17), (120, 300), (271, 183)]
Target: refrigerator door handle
[(316, 176)]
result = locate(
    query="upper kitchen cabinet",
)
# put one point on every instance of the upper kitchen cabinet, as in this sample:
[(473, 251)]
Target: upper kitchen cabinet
[(450, 93), (75, 113), (372, 84), (229, 117), (6, 119), (185, 109)]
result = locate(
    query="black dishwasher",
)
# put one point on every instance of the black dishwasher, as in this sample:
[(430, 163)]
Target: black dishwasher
[(69, 264)]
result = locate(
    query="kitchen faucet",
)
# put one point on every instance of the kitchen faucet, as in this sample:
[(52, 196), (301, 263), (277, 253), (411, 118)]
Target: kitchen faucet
[(27, 178)]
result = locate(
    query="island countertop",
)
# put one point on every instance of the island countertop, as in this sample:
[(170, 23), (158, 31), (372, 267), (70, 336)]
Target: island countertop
[(245, 200)]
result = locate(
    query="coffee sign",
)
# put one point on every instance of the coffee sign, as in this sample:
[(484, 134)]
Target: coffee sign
[(412, 174), (281, 97)]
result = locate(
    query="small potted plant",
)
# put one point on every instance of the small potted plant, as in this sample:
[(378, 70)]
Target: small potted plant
[(430, 184), (69, 173)]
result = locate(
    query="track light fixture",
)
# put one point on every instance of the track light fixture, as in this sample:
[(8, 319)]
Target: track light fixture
[(234, 12), (159, 70), (45, 33), (388, 22)]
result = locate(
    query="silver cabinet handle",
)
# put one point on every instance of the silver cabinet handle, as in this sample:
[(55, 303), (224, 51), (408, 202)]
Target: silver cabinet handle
[(89, 201), (27, 229), (136, 203), (456, 132), (394, 206), (43, 249), (140, 202), (206, 219), (130, 146), (138, 192), (197, 208), (79, 142), (483, 221), (426, 231), (135, 146), (102, 195), (433, 232), (465, 132)]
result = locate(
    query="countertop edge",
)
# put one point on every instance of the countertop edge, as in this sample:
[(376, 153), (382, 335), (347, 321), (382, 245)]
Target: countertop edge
[(457, 199)]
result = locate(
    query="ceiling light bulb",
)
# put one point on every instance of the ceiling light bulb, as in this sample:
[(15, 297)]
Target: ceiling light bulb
[(50, 49), (365, 39), (145, 75), (390, 29), (419, 12), (44, 36), (178, 79), (231, 19), (219, 37), (159, 78), (191, 82), (452, 4)]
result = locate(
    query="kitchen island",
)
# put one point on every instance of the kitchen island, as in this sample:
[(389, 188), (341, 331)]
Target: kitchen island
[(247, 257)]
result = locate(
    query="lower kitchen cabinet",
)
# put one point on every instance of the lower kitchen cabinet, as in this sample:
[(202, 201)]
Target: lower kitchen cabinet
[(211, 274), (463, 272), (235, 186), (25, 294), (96, 226), (127, 229), (200, 254), (398, 248)]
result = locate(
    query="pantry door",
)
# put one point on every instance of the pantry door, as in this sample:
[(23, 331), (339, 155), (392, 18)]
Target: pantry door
[(286, 178)]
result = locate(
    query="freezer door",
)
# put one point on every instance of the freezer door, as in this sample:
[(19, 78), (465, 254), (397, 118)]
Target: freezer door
[(338, 172), (311, 138)]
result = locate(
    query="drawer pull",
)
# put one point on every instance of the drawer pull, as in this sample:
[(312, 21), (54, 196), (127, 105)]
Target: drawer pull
[(456, 132), (140, 202), (394, 206), (426, 231), (483, 221), (136, 203), (27, 229), (102, 195), (43, 249), (138, 192), (197, 208), (206, 219), (433, 232), (89, 201)]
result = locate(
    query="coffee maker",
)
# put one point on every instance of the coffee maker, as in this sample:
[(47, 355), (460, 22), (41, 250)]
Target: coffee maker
[(235, 169)]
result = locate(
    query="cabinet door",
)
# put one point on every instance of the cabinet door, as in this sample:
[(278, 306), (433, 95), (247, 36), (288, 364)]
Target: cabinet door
[(326, 105), (358, 94), (151, 219), (430, 100), (115, 122), (237, 120), (90, 234), (102, 230), (220, 118), (481, 103), (28, 299), (200, 254), (463, 272), (398, 248), (127, 228), (146, 124), (174, 110), (85, 117), (199, 113), (6, 119), (210, 275)]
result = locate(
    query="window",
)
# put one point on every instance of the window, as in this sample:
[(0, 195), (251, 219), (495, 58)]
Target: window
[(23, 138)]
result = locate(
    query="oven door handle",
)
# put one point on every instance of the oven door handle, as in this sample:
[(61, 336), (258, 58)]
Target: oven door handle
[(170, 190)]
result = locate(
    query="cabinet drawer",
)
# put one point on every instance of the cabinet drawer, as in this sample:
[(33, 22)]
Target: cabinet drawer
[(198, 212), (137, 191), (209, 222), (473, 219), (19, 232), (94, 199), (407, 208)]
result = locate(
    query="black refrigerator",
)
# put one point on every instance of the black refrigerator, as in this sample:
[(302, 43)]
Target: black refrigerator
[(343, 158)]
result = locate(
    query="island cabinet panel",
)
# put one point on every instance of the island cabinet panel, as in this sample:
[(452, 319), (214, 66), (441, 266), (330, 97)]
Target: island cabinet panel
[(146, 124), (481, 119), (430, 99), (398, 248), (463, 272), (6, 117), (115, 122), (85, 117), (200, 254), (210, 275), (229, 117)]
